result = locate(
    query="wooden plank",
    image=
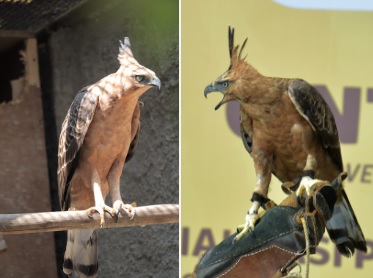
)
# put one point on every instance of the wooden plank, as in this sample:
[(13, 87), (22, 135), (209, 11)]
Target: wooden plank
[(24, 181)]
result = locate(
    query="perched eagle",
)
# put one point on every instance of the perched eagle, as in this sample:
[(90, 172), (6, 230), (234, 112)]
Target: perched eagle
[(99, 134), (289, 131)]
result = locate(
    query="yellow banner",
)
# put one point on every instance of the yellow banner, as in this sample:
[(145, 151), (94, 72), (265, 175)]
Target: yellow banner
[(329, 46)]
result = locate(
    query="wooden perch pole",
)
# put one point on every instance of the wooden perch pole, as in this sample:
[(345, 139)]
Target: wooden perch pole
[(71, 220)]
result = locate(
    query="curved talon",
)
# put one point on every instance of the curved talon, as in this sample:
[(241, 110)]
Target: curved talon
[(130, 209), (115, 217), (118, 205), (240, 228), (307, 184), (101, 211), (241, 234), (249, 226)]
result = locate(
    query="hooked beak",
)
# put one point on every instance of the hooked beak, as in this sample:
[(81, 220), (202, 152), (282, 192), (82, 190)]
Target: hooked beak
[(209, 89), (155, 82), (213, 88)]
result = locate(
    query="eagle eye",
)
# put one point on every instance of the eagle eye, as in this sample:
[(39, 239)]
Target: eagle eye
[(225, 84), (139, 78)]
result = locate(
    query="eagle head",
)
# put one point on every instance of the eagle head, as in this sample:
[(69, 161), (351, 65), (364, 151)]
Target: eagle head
[(137, 76), (235, 82)]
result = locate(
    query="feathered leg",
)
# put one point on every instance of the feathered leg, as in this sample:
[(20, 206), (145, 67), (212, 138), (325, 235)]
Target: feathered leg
[(114, 188), (307, 177), (263, 174)]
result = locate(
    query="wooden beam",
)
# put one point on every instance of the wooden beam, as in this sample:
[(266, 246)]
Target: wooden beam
[(72, 220)]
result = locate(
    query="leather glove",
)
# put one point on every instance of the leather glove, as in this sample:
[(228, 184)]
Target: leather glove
[(278, 240)]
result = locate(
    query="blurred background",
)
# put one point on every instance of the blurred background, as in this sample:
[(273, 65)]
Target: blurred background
[(49, 50), (327, 43)]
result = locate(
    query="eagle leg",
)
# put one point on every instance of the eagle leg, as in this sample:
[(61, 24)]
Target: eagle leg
[(114, 187), (250, 219), (258, 201), (101, 210), (306, 184), (259, 197), (306, 180)]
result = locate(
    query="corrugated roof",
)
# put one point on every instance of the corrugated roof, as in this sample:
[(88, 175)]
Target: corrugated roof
[(33, 15)]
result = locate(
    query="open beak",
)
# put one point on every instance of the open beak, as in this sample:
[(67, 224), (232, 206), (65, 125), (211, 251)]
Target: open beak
[(214, 88)]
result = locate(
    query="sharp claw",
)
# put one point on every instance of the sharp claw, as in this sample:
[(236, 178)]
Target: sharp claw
[(241, 234), (118, 205), (116, 216), (240, 228), (306, 183), (131, 210), (114, 212), (101, 211), (247, 227), (89, 212)]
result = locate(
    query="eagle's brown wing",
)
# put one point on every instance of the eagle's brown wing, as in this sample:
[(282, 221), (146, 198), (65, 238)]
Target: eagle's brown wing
[(343, 228), (311, 105), (246, 130), (74, 129), (133, 146), (135, 123)]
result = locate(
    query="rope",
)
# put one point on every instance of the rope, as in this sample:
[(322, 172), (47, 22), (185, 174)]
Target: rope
[(79, 219), (306, 235)]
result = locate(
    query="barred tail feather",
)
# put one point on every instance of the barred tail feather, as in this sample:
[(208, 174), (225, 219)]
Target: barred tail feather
[(344, 229), (80, 258)]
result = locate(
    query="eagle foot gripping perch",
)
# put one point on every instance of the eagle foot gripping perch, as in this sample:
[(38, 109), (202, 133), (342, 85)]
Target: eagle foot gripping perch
[(274, 252), (304, 182), (252, 215), (114, 211)]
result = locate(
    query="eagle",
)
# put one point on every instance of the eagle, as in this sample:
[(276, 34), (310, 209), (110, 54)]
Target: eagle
[(98, 136), (290, 132)]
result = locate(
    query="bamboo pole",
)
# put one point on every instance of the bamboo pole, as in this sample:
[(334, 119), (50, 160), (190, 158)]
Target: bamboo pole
[(71, 220)]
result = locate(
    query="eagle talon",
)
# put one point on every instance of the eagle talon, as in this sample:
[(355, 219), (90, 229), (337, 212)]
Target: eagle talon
[(101, 211), (307, 183), (244, 230), (130, 208), (115, 217), (249, 226), (240, 228)]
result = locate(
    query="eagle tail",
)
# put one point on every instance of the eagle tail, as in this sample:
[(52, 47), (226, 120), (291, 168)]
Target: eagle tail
[(80, 258), (344, 229)]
